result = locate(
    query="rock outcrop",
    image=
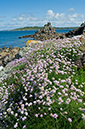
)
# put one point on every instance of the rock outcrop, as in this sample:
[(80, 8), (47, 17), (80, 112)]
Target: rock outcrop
[(80, 62), (77, 31), (30, 43), (29, 46), (47, 32), (7, 55)]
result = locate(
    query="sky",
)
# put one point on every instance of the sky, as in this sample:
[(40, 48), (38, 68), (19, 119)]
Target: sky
[(22, 13)]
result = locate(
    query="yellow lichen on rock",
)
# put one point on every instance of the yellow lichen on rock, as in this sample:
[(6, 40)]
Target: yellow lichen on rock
[(30, 42)]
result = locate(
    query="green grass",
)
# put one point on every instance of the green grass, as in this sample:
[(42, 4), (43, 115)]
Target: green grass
[(41, 79)]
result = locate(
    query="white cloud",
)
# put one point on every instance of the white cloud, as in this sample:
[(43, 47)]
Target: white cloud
[(82, 15), (57, 15), (26, 17), (31, 18), (62, 19), (57, 19), (14, 19), (50, 14), (20, 18), (75, 15), (71, 9), (62, 15), (72, 19)]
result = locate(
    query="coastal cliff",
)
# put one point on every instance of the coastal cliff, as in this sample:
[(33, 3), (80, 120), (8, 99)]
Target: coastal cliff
[(48, 32)]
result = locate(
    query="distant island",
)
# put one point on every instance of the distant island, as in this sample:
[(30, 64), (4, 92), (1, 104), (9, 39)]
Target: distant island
[(37, 27)]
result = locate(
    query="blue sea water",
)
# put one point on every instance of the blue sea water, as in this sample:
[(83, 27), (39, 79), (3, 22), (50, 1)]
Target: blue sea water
[(11, 38)]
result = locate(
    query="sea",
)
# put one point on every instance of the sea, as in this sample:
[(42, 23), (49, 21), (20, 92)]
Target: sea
[(11, 39)]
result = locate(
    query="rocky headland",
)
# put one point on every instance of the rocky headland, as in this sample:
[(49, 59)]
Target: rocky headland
[(80, 30), (47, 32)]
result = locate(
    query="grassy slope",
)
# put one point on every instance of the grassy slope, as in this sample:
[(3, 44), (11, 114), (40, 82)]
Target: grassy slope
[(44, 74)]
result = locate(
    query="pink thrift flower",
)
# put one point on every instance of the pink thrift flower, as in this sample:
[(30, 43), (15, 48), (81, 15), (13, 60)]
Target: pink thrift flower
[(55, 115), (24, 126), (45, 113), (41, 115), (69, 119), (16, 125), (49, 109), (36, 115)]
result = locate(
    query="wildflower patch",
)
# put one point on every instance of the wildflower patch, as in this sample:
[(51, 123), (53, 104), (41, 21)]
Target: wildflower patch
[(48, 90)]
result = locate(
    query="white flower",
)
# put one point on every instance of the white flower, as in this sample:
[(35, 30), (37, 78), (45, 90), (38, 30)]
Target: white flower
[(16, 114), (30, 104), (22, 112), (68, 81), (9, 109), (12, 112), (79, 100), (83, 116), (16, 125), (26, 113), (68, 101), (25, 99)]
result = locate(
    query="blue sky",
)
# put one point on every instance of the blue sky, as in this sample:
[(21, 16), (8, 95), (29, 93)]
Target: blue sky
[(21, 13)]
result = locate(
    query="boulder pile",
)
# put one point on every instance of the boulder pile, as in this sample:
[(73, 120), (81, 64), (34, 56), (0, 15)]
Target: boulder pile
[(80, 62), (7, 55), (80, 30), (47, 32)]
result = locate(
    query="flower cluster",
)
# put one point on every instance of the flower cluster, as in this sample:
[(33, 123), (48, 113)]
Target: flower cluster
[(47, 85)]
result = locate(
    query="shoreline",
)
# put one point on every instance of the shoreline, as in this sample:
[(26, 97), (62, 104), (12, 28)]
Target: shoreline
[(37, 29), (21, 53), (23, 30), (9, 54), (37, 40), (59, 28)]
